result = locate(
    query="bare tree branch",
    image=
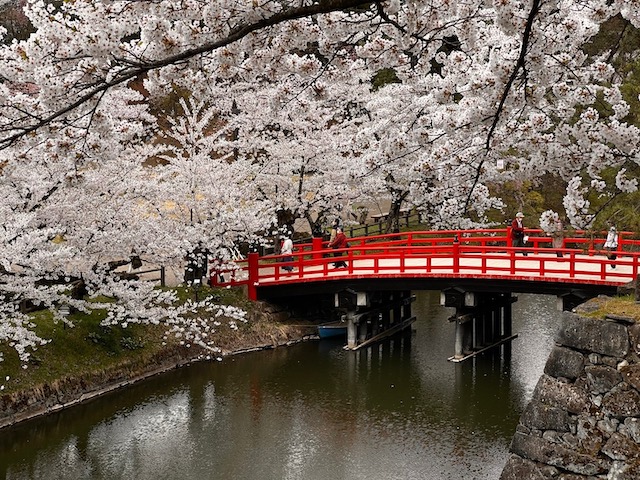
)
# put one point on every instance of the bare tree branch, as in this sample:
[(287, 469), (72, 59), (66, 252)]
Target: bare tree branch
[(520, 65)]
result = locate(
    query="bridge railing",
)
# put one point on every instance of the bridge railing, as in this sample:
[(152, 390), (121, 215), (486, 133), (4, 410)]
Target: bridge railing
[(466, 252), (452, 251), (580, 239), (443, 237)]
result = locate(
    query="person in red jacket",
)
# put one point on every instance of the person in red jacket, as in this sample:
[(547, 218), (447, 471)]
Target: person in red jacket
[(517, 232), (339, 242)]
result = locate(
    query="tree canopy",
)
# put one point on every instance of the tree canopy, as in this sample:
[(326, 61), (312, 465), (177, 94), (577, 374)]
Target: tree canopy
[(158, 128)]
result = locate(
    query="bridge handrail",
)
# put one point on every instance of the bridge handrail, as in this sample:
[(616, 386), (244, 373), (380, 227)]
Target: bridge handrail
[(536, 236)]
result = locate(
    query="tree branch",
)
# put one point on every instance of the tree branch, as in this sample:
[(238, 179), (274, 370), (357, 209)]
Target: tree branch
[(520, 64), (322, 7)]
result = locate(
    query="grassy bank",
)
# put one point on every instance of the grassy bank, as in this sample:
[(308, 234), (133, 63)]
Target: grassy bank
[(620, 306), (88, 350)]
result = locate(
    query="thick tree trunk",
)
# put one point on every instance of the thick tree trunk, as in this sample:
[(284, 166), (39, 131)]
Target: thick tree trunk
[(393, 219)]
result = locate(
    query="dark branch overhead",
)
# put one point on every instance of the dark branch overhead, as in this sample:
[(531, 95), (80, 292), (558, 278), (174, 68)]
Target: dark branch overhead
[(133, 70)]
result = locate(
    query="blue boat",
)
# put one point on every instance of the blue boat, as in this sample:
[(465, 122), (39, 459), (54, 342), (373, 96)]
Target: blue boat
[(332, 329)]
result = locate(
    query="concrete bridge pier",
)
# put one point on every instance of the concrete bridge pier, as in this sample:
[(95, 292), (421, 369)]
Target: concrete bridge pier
[(374, 316), (483, 320)]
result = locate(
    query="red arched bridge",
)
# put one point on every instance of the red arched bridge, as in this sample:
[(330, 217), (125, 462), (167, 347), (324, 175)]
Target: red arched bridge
[(431, 260), (477, 272)]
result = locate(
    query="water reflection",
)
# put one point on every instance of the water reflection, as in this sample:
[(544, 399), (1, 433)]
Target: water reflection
[(313, 411)]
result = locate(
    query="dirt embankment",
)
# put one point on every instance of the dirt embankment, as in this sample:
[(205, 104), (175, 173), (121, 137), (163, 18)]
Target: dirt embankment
[(267, 328)]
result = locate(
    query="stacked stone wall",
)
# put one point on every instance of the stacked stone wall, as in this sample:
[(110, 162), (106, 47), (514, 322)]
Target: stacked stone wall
[(583, 421)]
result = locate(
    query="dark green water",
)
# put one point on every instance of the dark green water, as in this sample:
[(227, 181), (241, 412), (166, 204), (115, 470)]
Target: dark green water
[(312, 411)]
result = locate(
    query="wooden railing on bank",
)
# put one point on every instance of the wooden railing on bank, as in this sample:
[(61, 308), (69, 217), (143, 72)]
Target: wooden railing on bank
[(407, 218), (463, 253)]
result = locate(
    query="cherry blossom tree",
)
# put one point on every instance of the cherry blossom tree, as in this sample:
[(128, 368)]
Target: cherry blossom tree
[(299, 142), (279, 114)]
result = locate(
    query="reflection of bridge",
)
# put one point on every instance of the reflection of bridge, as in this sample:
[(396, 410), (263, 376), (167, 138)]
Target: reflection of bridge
[(475, 269)]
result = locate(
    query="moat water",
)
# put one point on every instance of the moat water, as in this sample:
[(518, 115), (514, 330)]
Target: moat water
[(398, 410)]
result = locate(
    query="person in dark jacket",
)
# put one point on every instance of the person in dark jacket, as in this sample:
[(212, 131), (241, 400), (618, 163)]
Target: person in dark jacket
[(517, 232), (339, 242)]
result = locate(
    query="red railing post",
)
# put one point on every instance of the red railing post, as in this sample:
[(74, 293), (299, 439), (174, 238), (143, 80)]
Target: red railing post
[(252, 291), (456, 254), (619, 249), (316, 246), (512, 260), (300, 262)]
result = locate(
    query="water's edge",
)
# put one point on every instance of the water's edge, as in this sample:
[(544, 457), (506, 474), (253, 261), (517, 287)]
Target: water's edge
[(559, 403), (52, 397)]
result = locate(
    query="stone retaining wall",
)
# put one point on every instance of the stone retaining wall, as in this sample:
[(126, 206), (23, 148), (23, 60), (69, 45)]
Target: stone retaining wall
[(583, 421)]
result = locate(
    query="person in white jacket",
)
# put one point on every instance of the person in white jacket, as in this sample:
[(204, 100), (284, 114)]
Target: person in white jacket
[(611, 244), (287, 249)]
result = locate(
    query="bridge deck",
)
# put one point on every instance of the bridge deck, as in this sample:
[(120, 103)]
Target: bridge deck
[(535, 266)]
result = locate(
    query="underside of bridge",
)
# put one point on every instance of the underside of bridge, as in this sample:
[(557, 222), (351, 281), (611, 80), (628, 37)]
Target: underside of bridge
[(374, 309)]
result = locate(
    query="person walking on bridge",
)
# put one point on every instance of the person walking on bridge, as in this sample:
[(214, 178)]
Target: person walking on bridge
[(557, 236), (611, 244), (287, 249), (339, 242), (517, 232), (334, 229)]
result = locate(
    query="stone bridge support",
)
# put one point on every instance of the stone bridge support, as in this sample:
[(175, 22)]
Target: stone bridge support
[(374, 316), (483, 320)]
